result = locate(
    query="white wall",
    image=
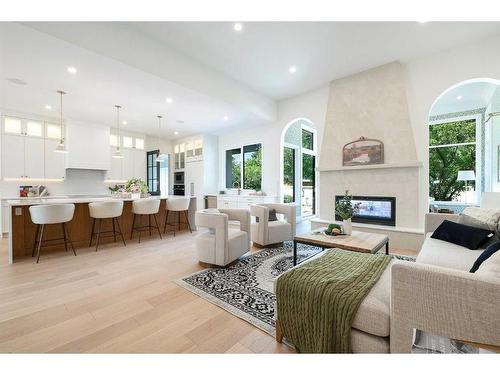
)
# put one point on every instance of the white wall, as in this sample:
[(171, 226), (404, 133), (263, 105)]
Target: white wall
[(311, 105), (428, 77)]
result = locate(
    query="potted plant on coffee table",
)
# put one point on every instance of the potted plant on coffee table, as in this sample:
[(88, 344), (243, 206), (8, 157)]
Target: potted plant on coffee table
[(346, 210)]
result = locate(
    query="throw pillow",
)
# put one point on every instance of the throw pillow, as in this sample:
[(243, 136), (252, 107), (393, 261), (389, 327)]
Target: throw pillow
[(463, 235), (490, 250), (484, 218), (272, 216), (490, 267)]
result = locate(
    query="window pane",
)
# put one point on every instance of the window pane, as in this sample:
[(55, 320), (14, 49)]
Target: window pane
[(288, 175), (452, 133), (139, 143), (233, 168), (127, 142), (12, 125), (113, 140), (252, 167), (444, 164), (307, 140), (53, 131)]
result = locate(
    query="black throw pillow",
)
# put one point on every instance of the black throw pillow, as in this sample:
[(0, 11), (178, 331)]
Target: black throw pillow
[(490, 250), (272, 216), (463, 235)]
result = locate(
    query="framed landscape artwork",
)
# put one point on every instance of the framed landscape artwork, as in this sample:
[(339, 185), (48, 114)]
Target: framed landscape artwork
[(363, 151)]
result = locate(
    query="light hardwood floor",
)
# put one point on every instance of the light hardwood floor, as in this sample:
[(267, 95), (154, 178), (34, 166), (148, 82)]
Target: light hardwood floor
[(118, 300)]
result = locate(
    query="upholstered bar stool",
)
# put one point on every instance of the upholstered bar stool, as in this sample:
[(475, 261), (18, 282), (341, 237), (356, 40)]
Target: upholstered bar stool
[(145, 207), (50, 214), (100, 211), (179, 205)]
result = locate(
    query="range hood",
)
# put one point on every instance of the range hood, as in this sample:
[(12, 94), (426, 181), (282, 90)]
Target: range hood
[(88, 147)]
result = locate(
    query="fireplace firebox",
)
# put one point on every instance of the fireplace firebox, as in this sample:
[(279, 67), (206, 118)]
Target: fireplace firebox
[(373, 210)]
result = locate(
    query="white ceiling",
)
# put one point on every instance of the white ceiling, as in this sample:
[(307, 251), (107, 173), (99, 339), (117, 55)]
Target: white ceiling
[(262, 52), (465, 97), (209, 70), (100, 83)]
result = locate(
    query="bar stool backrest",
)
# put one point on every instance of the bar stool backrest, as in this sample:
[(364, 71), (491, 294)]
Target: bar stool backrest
[(146, 206), (106, 210), (177, 204), (52, 213)]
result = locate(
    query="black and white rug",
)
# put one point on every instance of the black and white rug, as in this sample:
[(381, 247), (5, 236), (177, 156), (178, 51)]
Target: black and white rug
[(246, 288)]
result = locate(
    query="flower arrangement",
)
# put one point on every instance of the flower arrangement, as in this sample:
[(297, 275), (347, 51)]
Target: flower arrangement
[(344, 207), (136, 186)]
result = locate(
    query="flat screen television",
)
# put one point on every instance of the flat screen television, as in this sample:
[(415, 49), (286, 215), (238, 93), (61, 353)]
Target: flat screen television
[(373, 210)]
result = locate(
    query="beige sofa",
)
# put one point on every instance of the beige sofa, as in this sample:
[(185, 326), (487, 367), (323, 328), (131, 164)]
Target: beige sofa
[(436, 294)]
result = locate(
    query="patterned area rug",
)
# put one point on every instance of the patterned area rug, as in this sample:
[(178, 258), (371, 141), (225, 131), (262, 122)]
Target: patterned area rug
[(246, 289)]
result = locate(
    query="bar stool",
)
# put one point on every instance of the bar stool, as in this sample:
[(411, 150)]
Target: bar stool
[(49, 214), (149, 207), (100, 211), (177, 205)]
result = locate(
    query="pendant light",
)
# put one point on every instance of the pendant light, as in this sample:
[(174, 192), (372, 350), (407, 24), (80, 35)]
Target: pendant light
[(159, 158), (118, 153), (61, 147)]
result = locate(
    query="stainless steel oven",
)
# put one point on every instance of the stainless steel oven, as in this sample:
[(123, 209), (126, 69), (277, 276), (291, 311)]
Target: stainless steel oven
[(179, 189), (178, 178)]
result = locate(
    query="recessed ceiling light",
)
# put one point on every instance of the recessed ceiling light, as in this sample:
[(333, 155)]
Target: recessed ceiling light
[(292, 69), (226, 118), (48, 107), (176, 133), (16, 81), (124, 122), (459, 97), (169, 100), (238, 26), (72, 70)]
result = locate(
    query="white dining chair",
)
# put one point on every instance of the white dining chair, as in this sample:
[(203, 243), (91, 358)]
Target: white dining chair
[(100, 211), (51, 214), (145, 207)]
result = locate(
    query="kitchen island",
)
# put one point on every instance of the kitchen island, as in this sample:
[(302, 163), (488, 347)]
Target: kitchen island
[(22, 230)]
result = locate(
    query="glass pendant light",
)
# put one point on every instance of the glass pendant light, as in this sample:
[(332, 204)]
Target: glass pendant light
[(118, 153), (159, 158), (61, 147)]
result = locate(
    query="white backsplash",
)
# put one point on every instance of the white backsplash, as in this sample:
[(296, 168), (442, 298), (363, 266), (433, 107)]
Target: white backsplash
[(78, 181)]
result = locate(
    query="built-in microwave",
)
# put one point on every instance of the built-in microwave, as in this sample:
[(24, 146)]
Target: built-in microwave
[(178, 177)]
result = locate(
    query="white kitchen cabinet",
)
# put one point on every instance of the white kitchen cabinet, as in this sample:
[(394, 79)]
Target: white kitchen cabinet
[(243, 201), (55, 162), (13, 156), (139, 164), (132, 165), (115, 173), (34, 165)]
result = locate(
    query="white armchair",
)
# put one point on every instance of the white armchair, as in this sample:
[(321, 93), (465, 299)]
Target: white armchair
[(220, 245), (267, 232)]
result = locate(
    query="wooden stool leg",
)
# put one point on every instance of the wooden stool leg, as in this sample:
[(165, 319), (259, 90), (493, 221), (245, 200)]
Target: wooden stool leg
[(149, 225), (166, 222), (114, 230), (179, 220), (40, 243), (98, 233), (92, 232), (133, 226), (69, 238), (36, 240), (120, 229), (187, 221), (64, 237), (157, 227), (279, 332)]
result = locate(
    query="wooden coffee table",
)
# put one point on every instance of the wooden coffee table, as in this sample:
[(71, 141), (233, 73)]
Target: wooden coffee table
[(362, 242)]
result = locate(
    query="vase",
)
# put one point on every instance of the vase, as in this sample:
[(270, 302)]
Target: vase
[(347, 225)]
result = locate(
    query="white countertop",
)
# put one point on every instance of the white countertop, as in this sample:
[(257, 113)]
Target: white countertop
[(79, 199)]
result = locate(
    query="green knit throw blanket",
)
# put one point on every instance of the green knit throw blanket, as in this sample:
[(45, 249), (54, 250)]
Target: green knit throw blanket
[(318, 300)]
